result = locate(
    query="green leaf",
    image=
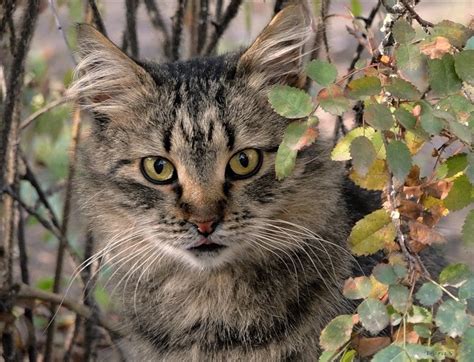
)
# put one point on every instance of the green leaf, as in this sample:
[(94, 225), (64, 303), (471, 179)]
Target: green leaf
[(356, 8), (408, 57), (428, 294), (364, 87), (402, 31), (418, 351), (422, 330), (419, 314), (349, 356), (321, 72), (363, 154), (385, 274), (399, 296), (443, 78), (336, 333), (373, 315), (45, 284), (399, 160), (428, 121), (470, 168), (463, 63), (285, 161), (456, 33), (400, 88), (459, 195), (341, 151), (451, 318), (370, 234), (378, 116), (327, 356), (290, 102), (452, 166), (466, 291), (357, 288), (332, 100), (376, 178), (468, 228), (454, 275), (460, 131), (405, 118), (392, 353), (466, 347)]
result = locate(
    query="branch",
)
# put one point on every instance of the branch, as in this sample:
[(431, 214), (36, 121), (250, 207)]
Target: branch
[(229, 14), (424, 23), (131, 7), (158, 23), (99, 23), (32, 117), (27, 292), (177, 29), (202, 24), (61, 30)]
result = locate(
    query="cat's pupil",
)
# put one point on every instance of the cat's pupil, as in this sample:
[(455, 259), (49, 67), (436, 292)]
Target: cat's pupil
[(243, 159), (159, 165)]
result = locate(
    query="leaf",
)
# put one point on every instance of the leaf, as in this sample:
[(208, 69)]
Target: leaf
[(336, 333), (376, 178), (418, 351), (436, 48), (356, 8), (452, 166), (408, 57), (451, 318), (399, 296), (457, 33), (402, 31), (368, 346), (429, 294), (405, 118), (466, 347), (454, 275), (349, 356), (443, 78), (428, 121), (399, 160), (459, 195), (466, 291), (332, 100), (468, 228), (373, 315), (284, 161), (470, 168), (463, 63), (400, 88), (357, 288), (385, 274), (460, 131), (370, 234), (341, 151), (326, 356), (378, 116), (321, 72), (290, 102), (392, 353), (362, 154), (364, 87), (45, 284), (422, 330), (419, 314)]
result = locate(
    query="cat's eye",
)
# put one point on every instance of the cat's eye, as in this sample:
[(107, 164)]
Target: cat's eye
[(244, 164), (158, 170)]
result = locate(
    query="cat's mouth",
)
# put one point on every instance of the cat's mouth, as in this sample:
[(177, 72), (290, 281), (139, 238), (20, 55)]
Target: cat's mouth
[(206, 245)]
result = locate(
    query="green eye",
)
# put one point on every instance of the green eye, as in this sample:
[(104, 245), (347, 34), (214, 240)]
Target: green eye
[(244, 164), (158, 170)]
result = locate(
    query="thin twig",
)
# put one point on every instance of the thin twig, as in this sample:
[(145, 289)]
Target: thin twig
[(61, 30), (278, 6), (158, 23), (218, 15), (32, 117), (177, 29), (414, 14), (28, 292), (131, 7), (202, 24), (230, 13)]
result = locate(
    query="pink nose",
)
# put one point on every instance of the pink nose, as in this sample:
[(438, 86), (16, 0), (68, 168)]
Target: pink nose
[(205, 227)]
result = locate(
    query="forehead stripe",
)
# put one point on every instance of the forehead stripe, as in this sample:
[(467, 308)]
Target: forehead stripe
[(230, 134)]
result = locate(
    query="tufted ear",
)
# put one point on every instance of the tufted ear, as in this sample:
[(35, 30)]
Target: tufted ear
[(107, 81), (276, 56)]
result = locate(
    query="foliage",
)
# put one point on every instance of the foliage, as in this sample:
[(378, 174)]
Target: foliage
[(423, 317)]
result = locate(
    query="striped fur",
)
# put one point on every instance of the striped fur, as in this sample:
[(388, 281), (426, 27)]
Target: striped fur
[(268, 293)]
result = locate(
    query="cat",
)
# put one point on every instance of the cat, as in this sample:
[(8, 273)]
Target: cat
[(215, 259)]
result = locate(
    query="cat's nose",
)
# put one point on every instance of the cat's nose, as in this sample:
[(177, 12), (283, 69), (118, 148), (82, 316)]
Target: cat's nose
[(206, 227)]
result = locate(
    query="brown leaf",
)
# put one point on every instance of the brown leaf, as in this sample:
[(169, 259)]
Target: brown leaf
[(438, 189), (306, 139), (368, 346), (410, 209), (410, 337), (437, 48), (413, 191), (424, 234)]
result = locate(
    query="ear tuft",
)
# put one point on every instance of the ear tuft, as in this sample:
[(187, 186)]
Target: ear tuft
[(276, 56), (106, 80)]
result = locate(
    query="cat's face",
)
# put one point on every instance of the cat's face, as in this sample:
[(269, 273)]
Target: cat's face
[(180, 163)]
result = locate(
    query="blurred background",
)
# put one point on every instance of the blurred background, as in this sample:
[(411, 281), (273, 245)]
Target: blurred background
[(46, 141)]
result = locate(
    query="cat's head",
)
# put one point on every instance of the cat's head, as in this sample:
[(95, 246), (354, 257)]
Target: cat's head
[(179, 165)]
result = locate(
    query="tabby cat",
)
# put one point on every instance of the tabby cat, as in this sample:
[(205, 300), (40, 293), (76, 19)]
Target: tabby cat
[(215, 260)]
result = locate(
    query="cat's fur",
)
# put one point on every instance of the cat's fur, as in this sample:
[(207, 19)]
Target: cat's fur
[(268, 294)]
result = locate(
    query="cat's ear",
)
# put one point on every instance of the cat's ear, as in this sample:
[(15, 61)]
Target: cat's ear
[(277, 55), (107, 81)]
